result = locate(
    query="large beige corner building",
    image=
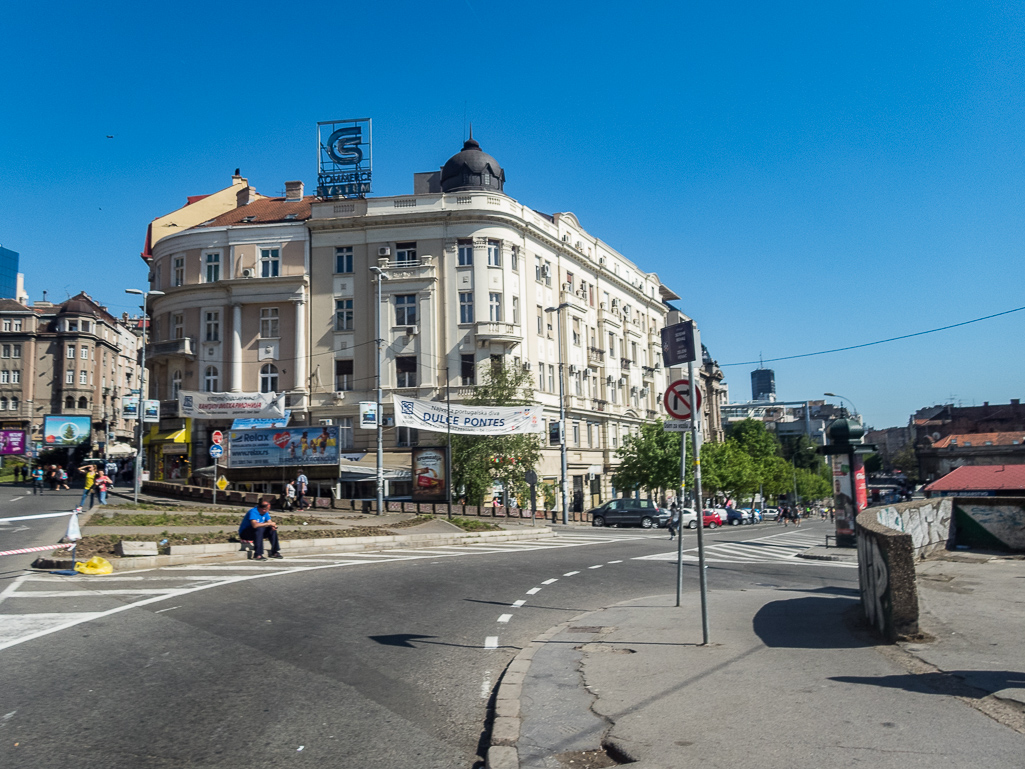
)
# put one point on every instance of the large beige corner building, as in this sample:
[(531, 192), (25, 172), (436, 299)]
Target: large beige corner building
[(278, 294)]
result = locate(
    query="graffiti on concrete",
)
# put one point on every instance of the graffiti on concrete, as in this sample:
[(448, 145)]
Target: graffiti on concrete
[(1005, 522), (875, 582), (928, 523)]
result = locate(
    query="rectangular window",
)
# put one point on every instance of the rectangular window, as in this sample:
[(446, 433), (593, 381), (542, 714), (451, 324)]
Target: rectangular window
[(514, 259), (541, 377), (5, 351), (269, 323), (5, 376), (16, 353), (83, 377), (405, 253), (494, 253), (468, 370), (213, 267), (344, 315), (495, 307), (577, 387), (270, 262), (516, 310), (17, 325), (551, 378), (633, 351), (405, 371), (405, 310), (343, 259), (72, 325), (576, 433), (71, 351), (344, 378), (465, 247), (179, 271), (537, 268), (540, 321), (466, 307), (7, 324), (590, 435), (15, 376), (612, 345), (84, 353), (213, 326), (177, 326), (69, 376), (407, 437), (569, 281), (576, 331), (345, 433), (546, 273)]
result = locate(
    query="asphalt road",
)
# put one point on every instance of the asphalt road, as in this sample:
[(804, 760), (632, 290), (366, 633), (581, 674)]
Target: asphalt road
[(372, 661)]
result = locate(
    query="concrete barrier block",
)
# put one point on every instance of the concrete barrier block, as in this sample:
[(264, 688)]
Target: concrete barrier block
[(505, 731), (503, 757), (127, 549)]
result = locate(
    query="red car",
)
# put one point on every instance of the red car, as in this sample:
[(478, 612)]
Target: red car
[(711, 519)]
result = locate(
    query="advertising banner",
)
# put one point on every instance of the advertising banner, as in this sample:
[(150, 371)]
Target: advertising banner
[(850, 493), (130, 406), (467, 420), (66, 431), (262, 424), (12, 442), (201, 405), (430, 481), (151, 411), (368, 415), (289, 447)]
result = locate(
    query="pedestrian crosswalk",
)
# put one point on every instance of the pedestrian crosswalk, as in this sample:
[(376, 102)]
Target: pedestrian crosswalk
[(774, 548)]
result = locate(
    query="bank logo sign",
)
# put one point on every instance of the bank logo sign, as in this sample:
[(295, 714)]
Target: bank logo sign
[(345, 161)]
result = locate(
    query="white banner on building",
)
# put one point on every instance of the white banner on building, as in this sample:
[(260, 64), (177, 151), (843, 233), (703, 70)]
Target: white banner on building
[(467, 420), (200, 405)]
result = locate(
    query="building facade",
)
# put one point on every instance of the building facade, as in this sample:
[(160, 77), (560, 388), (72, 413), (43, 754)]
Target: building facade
[(471, 278)]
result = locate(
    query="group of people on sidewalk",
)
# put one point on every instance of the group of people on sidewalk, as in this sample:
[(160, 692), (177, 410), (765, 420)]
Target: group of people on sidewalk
[(97, 482), (295, 494)]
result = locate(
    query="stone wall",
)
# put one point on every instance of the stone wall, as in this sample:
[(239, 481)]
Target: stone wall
[(990, 523), (886, 572)]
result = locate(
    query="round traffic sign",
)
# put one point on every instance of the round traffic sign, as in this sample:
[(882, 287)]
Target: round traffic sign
[(217, 437), (216, 451), (677, 399)]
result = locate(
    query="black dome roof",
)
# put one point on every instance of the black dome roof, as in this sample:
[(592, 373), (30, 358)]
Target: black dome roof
[(472, 169)]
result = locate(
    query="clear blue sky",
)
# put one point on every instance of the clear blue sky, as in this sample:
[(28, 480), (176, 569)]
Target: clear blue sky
[(806, 175)]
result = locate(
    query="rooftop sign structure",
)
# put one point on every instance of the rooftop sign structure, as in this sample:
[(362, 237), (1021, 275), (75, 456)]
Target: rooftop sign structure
[(345, 158)]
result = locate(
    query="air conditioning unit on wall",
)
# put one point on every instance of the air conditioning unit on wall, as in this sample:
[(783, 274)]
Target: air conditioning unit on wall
[(384, 251), (412, 330), (248, 272), (325, 421)]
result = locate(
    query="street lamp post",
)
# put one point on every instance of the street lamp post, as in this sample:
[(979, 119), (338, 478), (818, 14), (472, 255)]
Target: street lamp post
[(381, 276), (562, 416), (853, 407), (142, 382)]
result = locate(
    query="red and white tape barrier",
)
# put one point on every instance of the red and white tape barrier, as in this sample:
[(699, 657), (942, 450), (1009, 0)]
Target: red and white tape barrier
[(35, 549)]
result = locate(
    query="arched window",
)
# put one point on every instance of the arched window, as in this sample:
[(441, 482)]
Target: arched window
[(69, 402), (15, 403), (83, 403), (176, 383), (269, 378), (210, 383)]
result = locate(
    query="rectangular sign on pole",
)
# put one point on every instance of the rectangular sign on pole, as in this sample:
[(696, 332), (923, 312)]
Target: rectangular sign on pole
[(368, 415), (66, 430), (439, 417), (677, 425), (130, 406), (679, 344), (429, 481)]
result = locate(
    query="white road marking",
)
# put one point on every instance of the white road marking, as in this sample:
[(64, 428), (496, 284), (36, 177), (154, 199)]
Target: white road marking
[(518, 604), (161, 611), (550, 581), (491, 642), (485, 686), (15, 499), (595, 567), (533, 590), (570, 573), (615, 561), (505, 618), (9, 590)]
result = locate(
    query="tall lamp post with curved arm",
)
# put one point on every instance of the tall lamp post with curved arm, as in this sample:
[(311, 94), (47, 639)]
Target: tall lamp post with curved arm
[(142, 381), (854, 409)]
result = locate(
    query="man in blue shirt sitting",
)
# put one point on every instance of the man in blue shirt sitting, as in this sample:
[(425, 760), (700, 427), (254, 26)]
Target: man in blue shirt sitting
[(256, 526)]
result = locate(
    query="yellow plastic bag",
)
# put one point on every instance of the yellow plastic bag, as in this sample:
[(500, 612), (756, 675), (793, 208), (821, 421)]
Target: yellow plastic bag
[(95, 565)]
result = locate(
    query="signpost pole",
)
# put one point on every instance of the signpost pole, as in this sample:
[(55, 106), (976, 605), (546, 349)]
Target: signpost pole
[(679, 526), (217, 470), (695, 417)]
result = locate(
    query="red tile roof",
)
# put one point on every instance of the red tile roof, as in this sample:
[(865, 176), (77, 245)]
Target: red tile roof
[(980, 439), (982, 478), (265, 211)]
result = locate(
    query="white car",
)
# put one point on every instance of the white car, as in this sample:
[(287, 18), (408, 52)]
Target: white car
[(688, 518)]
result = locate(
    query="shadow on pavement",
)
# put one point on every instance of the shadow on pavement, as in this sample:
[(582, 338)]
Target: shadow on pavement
[(958, 683), (806, 623)]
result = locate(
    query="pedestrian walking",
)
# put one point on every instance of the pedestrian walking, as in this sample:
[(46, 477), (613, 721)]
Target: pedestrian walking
[(101, 484), (62, 478), (37, 480), (90, 479), (288, 504), (674, 521), (301, 485)]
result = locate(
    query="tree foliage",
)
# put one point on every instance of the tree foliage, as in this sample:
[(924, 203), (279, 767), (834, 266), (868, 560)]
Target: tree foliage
[(906, 461), (727, 469), (480, 460), (649, 459)]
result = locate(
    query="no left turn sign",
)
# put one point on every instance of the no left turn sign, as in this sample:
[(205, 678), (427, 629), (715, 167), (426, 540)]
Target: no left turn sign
[(677, 399)]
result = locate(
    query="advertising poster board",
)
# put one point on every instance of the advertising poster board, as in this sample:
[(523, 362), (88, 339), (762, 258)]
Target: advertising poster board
[(151, 411), (850, 493), (204, 405), (430, 481), (130, 406), (61, 430), (368, 415), (12, 442), (437, 416), (288, 447)]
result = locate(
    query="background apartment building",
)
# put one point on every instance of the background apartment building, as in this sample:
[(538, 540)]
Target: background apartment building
[(280, 294)]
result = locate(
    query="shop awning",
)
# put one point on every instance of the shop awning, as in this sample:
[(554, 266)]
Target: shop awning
[(171, 436), (120, 450)]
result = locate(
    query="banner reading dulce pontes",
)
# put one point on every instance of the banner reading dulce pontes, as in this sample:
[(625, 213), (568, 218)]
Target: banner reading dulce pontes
[(467, 420)]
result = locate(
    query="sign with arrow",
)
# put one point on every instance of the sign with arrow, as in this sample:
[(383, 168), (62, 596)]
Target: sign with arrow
[(677, 399)]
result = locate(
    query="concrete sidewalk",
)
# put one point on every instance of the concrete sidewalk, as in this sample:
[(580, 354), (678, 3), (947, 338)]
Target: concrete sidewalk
[(791, 680)]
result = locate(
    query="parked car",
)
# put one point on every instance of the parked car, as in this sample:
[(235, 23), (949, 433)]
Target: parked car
[(736, 516), (711, 519), (688, 518), (630, 512)]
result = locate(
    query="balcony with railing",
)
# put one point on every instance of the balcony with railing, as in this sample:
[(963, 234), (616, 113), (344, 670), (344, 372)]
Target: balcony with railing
[(172, 348), (648, 371), (625, 363), (504, 333), (595, 356), (599, 405)]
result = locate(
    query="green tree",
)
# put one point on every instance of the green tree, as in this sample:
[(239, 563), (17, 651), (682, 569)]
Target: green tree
[(874, 463), (726, 468), (480, 460), (906, 461), (649, 460), (801, 451), (763, 448), (812, 486), (777, 477)]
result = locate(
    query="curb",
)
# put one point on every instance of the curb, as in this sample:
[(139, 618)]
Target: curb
[(815, 557), (229, 552), (505, 730)]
